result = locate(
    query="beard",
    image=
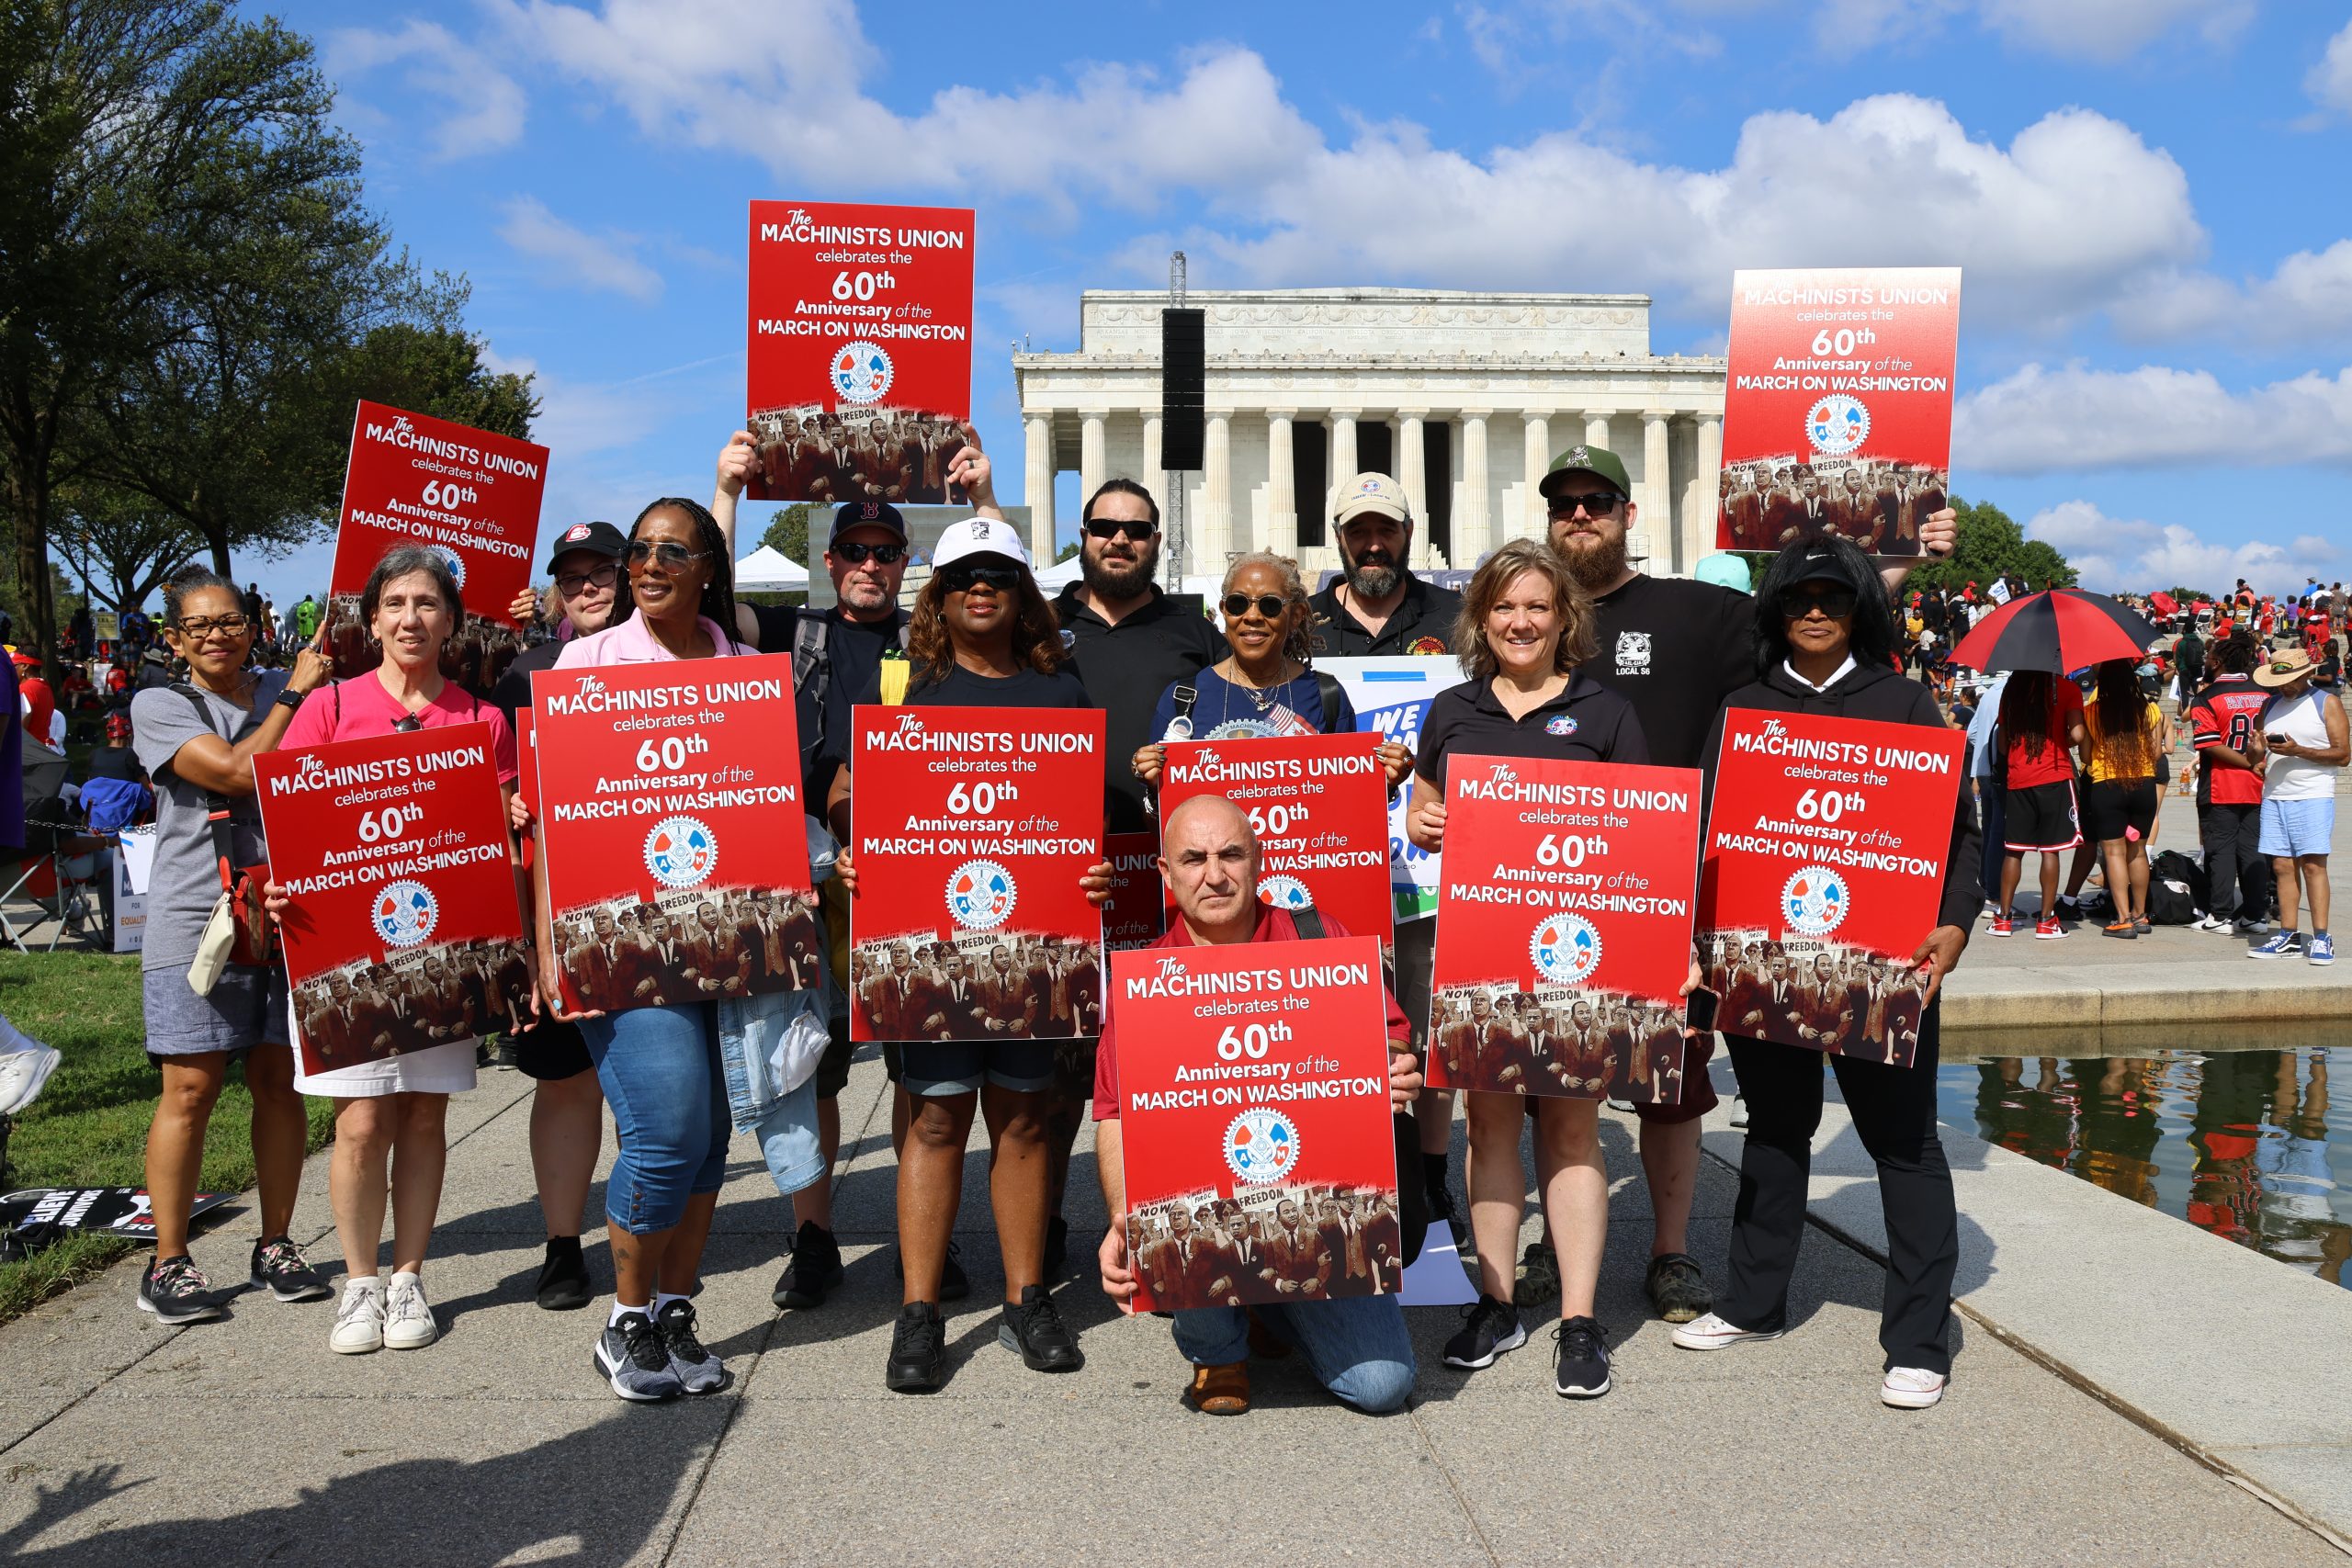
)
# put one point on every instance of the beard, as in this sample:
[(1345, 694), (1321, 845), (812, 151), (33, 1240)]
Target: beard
[(1597, 565), (1374, 575), (1121, 579)]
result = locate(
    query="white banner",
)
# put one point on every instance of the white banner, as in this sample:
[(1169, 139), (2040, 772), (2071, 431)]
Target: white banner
[(1392, 696)]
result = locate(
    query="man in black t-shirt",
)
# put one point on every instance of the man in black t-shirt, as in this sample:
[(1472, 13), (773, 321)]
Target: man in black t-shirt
[(1675, 649)]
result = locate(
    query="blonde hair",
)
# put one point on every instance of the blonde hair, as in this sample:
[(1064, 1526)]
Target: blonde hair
[(1300, 644), (1497, 573)]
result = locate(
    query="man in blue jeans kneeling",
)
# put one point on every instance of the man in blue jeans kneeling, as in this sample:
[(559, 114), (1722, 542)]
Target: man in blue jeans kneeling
[(1356, 1346)]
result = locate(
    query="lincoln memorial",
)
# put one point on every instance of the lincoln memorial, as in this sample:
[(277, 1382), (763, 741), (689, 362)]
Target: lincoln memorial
[(1464, 397)]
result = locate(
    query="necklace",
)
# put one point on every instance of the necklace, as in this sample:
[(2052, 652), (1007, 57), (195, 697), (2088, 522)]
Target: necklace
[(1263, 696)]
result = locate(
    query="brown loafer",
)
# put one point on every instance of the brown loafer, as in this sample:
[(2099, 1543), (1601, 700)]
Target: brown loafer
[(1221, 1391)]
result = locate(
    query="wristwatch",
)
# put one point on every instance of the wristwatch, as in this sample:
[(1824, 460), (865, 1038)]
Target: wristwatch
[(287, 697)]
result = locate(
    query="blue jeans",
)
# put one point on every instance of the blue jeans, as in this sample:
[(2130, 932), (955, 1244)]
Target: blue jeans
[(1356, 1346), (660, 1070)]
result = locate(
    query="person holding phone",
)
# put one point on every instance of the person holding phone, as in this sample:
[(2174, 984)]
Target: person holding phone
[(2303, 748)]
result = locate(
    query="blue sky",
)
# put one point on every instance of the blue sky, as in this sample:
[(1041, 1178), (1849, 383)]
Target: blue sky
[(2149, 198)]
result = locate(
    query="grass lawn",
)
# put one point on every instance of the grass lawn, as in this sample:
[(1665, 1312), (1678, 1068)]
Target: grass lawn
[(89, 1126)]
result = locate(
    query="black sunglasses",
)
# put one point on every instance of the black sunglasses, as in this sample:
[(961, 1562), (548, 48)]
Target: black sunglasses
[(572, 584), (962, 579), (407, 724), (665, 555), (1112, 527), (857, 554), (1835, 602), (1599, 503), (1270, 605)]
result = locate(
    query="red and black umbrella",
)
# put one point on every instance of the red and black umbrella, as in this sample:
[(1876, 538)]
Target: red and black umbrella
[(2063, 630)]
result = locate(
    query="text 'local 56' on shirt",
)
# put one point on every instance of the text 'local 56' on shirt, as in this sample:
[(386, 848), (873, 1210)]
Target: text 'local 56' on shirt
[(1675, 649)]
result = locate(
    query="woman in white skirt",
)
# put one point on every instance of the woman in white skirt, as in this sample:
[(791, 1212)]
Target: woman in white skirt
[(391, 1113)]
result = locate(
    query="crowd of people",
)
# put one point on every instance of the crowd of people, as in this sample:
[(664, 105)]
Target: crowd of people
[(1570, 651)]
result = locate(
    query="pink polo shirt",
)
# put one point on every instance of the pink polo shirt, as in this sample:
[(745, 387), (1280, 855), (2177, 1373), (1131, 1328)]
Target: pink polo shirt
[(359, 708), (632, 643)]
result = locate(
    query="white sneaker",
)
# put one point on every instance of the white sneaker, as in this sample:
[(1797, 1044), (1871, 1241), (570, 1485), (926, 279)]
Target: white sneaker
[(408, 1316), (358, 1318), (1712, 1332), (1911, 1388)]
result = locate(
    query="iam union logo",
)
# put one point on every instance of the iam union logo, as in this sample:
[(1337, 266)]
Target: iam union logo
[(681, 851), (405, 913), (861, 372), (980, 895), (1260, 1145), (1285, 893), (1565, 949), (1814, 902), (1838, 424)]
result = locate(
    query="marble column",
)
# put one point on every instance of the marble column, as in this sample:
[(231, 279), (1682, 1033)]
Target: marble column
[(1344, 463), (1412, 472), (1596, 429), (1699, 521), (1093, 466), (1154, 478), (1216, 497), (1275, 527), (1473, 530), (1539, 460), (1037, 484), (1656, 494)]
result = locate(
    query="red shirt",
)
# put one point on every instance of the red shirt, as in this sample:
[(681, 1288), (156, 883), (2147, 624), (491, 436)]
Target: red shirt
[(353, 709), (1274, 925), (2055, 763), (2224, 715)]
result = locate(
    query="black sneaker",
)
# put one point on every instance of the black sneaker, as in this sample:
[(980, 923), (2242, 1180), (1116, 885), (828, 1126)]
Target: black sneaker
[(563, 1277), (1678, 1290), (177, 1291), (814, 1267), (918, 1361), (1493, 1328), (278, 1266), (1035, 1329), (1583, 1370), (695, 1368), (1057, 1245), (635, 1360), (1443, 1206), (953, 1283)]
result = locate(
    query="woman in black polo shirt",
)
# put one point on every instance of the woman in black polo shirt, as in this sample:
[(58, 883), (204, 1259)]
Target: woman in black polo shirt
[(1525, 627)]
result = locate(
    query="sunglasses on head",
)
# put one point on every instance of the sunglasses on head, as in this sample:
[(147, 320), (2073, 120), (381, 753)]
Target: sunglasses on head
[(667, 556), (961, 579), (857, 554), (1112, 527), (1836, 604), (1598, 503), (1270, 605)]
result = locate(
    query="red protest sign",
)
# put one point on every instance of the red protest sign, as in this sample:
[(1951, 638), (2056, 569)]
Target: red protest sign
[(1837, 406), (1563, 923), (1259, 1155), (859, 373), (1319, 806), (403, 931), (971, 828), (1825, 867), (1137, 913), (473, 496), (673, 829)]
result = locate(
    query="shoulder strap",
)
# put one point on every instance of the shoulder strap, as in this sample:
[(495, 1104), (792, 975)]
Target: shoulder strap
[(1309, 923), (1186, 695), (1327, 689), (812, 649), (216, 807)]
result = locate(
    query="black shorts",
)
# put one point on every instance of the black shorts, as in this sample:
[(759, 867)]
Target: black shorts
[(553, 1050), (2040, 818), (833, 1067), (2114, 808)]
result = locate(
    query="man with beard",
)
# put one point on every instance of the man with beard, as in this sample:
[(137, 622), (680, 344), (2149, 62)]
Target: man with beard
[(1675, 649)]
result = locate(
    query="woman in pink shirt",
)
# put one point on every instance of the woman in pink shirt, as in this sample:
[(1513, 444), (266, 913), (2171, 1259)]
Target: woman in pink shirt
[(391, 1112)]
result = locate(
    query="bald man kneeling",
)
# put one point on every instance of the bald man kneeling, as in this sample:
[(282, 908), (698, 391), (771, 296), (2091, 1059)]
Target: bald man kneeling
[(1356, 1346)]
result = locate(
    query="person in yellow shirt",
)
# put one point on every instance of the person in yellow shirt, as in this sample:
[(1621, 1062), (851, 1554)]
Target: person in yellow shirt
[(2124, 734)]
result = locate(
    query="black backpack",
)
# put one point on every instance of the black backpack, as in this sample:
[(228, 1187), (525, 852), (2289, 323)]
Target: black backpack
[(1412, 1197), (2176, 889)]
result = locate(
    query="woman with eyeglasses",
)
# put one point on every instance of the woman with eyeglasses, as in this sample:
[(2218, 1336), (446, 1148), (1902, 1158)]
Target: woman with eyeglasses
[(1825, 638), (390, 1114), (982, 636), (197, 737), (1524, 632), (1266, 683)]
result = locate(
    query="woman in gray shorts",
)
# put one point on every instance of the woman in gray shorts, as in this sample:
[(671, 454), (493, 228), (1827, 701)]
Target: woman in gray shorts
[(198, 738)]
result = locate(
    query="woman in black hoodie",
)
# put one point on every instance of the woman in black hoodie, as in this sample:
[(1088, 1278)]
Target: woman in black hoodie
[(1825, 645)]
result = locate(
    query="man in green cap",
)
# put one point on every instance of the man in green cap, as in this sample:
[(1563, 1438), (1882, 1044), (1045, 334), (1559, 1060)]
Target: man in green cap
[(1675, 649)]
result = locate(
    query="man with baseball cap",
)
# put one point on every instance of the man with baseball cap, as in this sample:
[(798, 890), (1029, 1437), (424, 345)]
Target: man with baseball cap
[(35, 700), (1675, 649), (1378, 606)]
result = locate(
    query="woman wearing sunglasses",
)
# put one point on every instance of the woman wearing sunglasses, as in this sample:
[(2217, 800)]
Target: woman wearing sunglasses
[(1265, 684), (390, 1114), (982, 636), (1825, 644)]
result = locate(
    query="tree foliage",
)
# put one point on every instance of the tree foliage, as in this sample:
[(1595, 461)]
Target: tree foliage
[(787, 532), (1991, 544)]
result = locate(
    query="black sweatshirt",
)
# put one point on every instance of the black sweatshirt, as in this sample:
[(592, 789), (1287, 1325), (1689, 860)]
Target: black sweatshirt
[(1870, 691)]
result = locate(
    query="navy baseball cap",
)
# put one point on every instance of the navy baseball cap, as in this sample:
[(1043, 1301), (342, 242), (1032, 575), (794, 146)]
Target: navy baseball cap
[(596, 538), (867, 514)]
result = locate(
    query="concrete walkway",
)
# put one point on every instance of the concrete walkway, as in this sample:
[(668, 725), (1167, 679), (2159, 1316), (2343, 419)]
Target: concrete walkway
[(248, 1441)]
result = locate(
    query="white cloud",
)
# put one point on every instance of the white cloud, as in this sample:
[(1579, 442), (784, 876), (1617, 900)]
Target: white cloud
[(2075, 418), (2310, 296), (2120, 555), (2109, 30), (487, 106), (2330, 80), (606, 261)]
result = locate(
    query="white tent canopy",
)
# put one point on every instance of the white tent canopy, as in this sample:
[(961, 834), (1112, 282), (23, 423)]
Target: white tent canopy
[(769, 571)]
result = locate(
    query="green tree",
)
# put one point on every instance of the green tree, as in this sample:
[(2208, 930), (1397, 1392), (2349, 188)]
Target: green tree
[(1066, 552), (1990, 544), (787, 532), (122, 546)]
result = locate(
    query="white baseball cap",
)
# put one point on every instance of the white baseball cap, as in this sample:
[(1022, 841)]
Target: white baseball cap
[(1369, 492), (977, 536)]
